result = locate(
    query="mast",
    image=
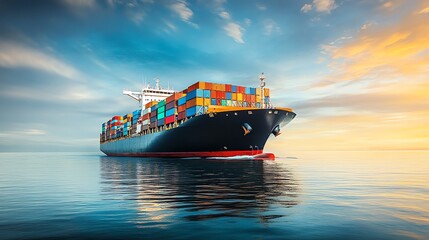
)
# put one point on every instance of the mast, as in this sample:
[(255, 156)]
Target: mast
[(262, 78)]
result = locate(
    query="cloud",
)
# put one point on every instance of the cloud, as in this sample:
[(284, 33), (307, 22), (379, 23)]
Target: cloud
[(270, 26), (306, 8), (323, 6), (16, 56), (234, 31), (182, 9), (383, 52), (224, 15)]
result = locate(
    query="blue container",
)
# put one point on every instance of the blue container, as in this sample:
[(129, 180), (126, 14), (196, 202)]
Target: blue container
[(206, 94), (194, 94), (247, 91), (244, 104), (228, 96), (153, 119), (213, 101), (253, 91), (192, 111), (161, 122), (181, 101), (154, 107), (137, 112), (170, 112), (234, 88), (258, 105), (135, 121)]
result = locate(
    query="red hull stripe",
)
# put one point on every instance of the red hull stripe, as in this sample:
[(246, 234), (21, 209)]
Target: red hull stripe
[(189, 154)]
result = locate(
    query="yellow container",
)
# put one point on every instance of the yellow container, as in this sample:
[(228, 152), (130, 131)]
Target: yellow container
[(258, 92), (239, 97), (207, 101)]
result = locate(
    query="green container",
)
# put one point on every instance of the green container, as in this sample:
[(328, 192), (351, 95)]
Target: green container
[(223, 103), (162, 103), (161, 109), (160, 116)]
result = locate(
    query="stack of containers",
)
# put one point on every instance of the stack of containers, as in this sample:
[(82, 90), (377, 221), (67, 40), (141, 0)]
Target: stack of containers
[(194, 102), (116, 125), (171, 107), (145, 118), (153, 116), (161, 113), (181, 108)]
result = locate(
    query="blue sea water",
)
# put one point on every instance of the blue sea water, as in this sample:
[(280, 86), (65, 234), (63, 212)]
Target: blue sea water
[(306, 195)]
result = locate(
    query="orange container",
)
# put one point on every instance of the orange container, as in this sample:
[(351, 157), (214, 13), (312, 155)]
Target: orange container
[(174, 97), (181, 108), (197, 85), (252, 98), (234, 96), (208, 86), (266, 92), (150, 104), (195, 102)]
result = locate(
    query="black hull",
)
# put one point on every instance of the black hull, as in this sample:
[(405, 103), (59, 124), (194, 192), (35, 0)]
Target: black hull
[(208, 135)]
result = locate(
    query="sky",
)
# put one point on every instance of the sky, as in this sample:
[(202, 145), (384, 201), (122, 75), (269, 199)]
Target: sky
[(355, 72)]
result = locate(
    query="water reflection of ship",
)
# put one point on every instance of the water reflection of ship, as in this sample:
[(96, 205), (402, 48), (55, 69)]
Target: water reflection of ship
[(200, 189)]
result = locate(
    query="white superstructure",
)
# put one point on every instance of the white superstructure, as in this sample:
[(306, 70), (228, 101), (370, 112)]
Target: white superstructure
[(149, 94)]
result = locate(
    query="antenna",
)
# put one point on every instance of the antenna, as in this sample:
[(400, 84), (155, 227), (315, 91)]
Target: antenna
[(157, 84)]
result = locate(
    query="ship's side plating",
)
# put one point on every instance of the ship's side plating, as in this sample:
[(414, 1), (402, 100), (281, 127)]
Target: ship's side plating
[(228, 133)]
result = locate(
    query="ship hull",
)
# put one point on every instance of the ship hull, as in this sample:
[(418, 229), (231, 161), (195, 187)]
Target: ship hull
[(220, 134)]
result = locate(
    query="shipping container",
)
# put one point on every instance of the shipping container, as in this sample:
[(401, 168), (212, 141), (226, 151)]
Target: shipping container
[(161, 109), (170, 105), (196, 110), (213, 93), (228, 96), (239, 97), (181, 108), (173, 97), (153, 124), (153, 119), (206, 93), (150, 104), (181, 101), (170, 112), (195, 102), (223, 102), (160, 116), (160, 122), (213, 101), (266, 92), (169, 119), (181, 115), (154, 108), (197, 85), (197, 93), (233, 88), (228, 87), (207, 101)]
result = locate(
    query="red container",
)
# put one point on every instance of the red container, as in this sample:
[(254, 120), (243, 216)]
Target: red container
[(228, 87), (181, 115), (219, 94), (146, 116), (248, 98), (252, 98), (169, 119), (213, 94), (241, 89)]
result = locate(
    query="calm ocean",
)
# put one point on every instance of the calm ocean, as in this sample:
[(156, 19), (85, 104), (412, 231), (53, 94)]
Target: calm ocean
[(307, 195)]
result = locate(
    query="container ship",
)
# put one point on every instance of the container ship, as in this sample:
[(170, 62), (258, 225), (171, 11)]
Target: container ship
[(204, 120)]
